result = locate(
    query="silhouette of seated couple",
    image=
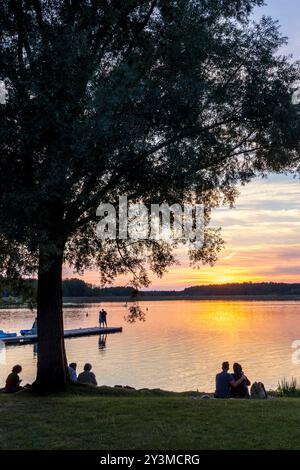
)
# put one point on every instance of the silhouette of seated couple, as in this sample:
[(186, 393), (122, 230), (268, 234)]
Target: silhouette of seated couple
[(232, 385), (87, 377)]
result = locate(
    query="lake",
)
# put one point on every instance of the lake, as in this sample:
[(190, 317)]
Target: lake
[(179, 347)]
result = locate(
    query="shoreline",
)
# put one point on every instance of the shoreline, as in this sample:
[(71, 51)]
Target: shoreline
[(80, 302), (147, 298)]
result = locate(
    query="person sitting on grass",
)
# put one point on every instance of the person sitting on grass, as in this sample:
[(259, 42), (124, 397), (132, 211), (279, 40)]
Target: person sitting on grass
[(87, 377), (13, 380), (224, 381), (241, 390), (72, 372)]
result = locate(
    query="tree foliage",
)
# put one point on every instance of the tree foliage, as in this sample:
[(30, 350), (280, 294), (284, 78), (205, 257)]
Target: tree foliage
[(153, 99)]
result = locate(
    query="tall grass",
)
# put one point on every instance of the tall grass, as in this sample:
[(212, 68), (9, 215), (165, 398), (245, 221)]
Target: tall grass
[(288, 389)]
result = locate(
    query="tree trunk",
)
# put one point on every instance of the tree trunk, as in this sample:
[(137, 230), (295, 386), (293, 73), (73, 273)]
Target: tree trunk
[(52, 361)]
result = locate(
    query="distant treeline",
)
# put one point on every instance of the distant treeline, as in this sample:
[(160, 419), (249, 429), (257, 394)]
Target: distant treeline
[(79, 288), (245, 288)]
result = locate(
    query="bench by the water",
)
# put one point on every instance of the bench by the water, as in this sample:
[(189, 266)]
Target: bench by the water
[(67, 334)]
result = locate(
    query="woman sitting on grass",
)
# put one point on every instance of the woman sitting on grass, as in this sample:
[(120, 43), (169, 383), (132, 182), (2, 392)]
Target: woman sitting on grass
[(241, 390), (13, 380)]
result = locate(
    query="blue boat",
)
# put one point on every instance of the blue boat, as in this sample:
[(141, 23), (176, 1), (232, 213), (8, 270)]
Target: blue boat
[(32, 331), (7, 335)]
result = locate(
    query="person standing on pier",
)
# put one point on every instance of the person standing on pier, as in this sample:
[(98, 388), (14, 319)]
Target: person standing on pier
[(102, 318)]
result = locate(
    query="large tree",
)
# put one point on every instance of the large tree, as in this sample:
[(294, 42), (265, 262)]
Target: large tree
[(154, 99)]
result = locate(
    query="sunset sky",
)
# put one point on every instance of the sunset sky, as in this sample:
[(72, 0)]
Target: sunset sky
[(262, 232)]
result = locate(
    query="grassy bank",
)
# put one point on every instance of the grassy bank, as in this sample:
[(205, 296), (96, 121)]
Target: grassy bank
[(117, 419)]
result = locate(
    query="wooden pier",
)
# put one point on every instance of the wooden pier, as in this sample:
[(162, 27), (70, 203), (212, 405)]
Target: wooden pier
[(67, 334)]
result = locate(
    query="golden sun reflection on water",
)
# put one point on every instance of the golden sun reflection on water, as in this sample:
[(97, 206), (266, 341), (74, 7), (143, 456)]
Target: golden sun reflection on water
[(179, 347)]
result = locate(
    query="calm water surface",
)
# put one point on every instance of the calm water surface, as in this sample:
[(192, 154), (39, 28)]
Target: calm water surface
[(180, 345)]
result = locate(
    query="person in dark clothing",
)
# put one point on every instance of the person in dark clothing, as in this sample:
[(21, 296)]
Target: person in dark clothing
[(13, 380), (87, 377), (102, 318), (104, 313), (241, 390), (224, 382)]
